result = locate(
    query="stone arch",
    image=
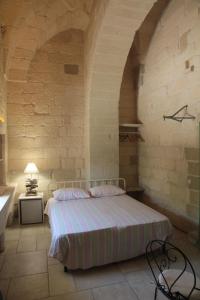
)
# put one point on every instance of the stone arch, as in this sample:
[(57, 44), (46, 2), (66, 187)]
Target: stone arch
[(119, 22), (108, 40), (45, 113), (37, 22)]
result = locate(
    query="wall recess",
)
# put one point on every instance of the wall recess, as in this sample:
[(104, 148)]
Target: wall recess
[(71, 69)]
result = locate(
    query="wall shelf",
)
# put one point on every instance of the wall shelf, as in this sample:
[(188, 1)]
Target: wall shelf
[(131, 125), (129, 131)]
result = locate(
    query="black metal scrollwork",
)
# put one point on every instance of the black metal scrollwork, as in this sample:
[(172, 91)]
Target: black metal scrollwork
[(162, 256)]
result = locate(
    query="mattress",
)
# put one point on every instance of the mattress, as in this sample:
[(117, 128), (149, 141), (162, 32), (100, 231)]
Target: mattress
[(97, 231)]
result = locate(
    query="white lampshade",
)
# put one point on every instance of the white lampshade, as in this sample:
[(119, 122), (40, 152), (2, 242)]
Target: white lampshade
[(31, 168)]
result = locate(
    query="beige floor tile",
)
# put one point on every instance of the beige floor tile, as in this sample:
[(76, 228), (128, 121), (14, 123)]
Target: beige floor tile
[(97, 277), (196, 264), (32, 230), (120, 291), (139, 277), (60, 282), (47, 229), (135, 264), (107, 282), (43, 241), (28, 287), (187, 247), (146, 292), (46, 220), (178, 235), (12, 234), (53, 261), (26, 244), (4, 283), (21, 264), (2, 257), (10, 247), (84, 295)]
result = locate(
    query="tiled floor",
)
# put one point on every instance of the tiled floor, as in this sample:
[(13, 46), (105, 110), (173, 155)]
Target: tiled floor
[(26, 272)]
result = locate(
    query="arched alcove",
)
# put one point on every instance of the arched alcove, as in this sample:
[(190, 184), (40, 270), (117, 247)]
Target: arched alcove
[(169, 158), (132, 80), (34, 24), (46, 113), (109, 40)]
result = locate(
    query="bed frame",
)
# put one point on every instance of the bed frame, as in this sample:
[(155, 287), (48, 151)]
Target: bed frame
[(85, 184)]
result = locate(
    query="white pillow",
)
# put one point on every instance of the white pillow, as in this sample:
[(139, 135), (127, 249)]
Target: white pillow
[(70, 194), (106, 190)]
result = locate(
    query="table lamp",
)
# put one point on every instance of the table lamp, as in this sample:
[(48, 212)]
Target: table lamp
[(31, 183)]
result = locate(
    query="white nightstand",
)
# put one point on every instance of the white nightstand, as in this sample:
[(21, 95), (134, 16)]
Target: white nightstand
[(31, 208)]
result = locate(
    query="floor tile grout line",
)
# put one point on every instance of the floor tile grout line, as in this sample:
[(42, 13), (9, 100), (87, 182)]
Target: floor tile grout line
[(2, 262), (104, 285), (133, 291), (21, 276), (19, 253), (92, 293), (9, 283), (48, 274), (17, 245), (124, 275), (64, 294), (74, 279)]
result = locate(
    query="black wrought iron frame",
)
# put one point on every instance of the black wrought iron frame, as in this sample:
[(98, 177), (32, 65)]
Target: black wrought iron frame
[(175, 116), (161, 255)]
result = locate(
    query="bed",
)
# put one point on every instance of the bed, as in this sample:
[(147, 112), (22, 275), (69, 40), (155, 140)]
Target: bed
[(98, 231)]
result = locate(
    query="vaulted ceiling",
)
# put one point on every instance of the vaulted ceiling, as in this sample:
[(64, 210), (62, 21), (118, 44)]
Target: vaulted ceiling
[(31, 23), (109, 27)]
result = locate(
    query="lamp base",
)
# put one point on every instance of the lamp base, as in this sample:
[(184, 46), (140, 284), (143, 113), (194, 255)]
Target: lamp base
[(31, 187), (31, 193)]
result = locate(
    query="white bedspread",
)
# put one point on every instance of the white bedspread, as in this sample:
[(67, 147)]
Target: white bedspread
[(98, 231)]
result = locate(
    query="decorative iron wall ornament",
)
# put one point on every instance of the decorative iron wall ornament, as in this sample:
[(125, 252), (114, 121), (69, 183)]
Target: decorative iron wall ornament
[(179, 118)]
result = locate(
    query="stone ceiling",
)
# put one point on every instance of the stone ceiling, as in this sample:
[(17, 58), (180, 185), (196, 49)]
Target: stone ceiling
[(30, 23)]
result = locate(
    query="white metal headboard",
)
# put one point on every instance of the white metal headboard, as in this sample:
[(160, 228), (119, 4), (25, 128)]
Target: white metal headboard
[(85, 184)]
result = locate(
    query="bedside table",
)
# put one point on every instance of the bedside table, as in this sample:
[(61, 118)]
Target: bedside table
[(136, 193), (31, 208)]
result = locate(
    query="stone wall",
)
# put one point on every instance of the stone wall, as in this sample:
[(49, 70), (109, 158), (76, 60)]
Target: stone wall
[(3, 157), (128, 147), (2, 85), (111, 43), (171, 80), (46, 113), (128, 158), (32, 23)]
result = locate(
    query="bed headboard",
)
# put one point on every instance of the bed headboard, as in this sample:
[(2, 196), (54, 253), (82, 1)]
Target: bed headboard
[(85, 184)]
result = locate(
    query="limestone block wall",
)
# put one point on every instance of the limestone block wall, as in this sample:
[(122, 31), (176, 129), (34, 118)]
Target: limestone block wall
[(128, 148), (32, 23), (89, 50), (3, 147), (2, 86), (128, 153), (171, 80), (111, 44), (46, 113)]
